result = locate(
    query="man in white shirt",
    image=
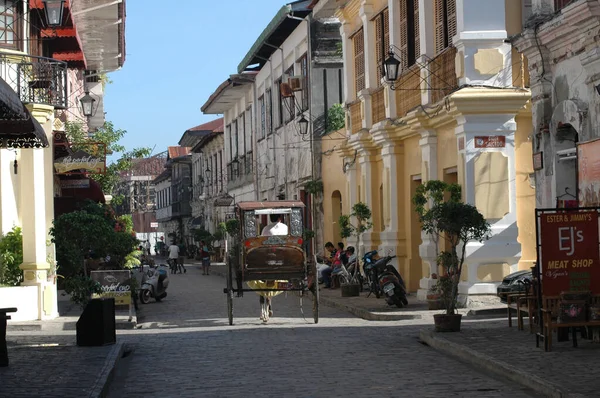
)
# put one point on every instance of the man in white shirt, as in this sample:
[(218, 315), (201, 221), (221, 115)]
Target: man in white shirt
[(277, 227), (173, 257)]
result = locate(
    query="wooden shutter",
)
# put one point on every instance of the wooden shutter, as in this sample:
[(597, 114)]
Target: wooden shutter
[(417, 32), (450, 21), (403, 35), (379, 53), (358, 41), (439, 30), (386, 33)]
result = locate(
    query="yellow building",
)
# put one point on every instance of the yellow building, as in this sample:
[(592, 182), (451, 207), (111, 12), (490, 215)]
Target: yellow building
[(458, 112)]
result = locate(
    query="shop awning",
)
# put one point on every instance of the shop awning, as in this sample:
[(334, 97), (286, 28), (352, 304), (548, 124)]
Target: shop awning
[(18, 129)]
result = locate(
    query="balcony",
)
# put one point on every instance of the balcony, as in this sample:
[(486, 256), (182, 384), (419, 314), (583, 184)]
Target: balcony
[(442, 72), (378, 105), (354, 109), (36, 80), (408, 94)]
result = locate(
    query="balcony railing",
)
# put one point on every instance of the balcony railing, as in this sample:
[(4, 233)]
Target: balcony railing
[(408, 94), (378, 105), (37, 80), (442, 72), (355, 116)]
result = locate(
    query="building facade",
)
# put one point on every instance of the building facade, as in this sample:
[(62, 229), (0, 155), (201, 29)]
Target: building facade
[(458, 112), (173, 191), (38, 67), (564, 65)]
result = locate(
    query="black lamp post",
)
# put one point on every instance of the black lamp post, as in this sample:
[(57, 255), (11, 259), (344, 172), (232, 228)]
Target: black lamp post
[(87, 104), (54, 12), (391, 67), (303, 123)]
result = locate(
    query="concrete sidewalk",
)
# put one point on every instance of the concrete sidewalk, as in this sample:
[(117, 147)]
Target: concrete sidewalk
[(512, 354)]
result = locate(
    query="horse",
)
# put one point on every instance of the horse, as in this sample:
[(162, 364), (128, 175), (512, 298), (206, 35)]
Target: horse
[(266, 298)]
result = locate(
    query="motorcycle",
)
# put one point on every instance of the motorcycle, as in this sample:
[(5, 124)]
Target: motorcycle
[(154, 284), (390, 282), (371, 276)]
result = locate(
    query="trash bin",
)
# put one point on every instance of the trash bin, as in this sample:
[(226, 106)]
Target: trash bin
[(96, 325)]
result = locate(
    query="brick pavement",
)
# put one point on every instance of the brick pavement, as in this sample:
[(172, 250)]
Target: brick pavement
[(563, 371), (186, 348)]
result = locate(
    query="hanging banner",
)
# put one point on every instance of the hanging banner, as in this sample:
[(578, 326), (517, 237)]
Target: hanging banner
[(570, 258), (589, 173)]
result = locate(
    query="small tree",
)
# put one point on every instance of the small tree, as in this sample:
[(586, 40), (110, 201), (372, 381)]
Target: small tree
[(362, 214), (11, 256), (458, 223)]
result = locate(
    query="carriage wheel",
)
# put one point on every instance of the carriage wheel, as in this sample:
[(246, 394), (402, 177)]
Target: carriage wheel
[(230, 294)]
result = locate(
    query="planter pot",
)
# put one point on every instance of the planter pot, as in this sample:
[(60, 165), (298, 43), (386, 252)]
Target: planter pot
[(350, 290), (447, 323), (435, 304)]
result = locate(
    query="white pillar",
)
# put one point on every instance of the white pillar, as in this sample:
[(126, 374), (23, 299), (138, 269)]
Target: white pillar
[(348, 51), (366, 15), (428, 250), (36, 186), (427, 43), (9, 200)]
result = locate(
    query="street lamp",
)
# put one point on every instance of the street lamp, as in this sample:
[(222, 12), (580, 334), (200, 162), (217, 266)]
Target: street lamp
[(54, 12), (303, 123), (391, 67), (87, 104)]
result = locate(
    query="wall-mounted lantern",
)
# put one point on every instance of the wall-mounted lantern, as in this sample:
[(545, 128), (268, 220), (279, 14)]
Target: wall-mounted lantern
[(87, 104), (54, 10)]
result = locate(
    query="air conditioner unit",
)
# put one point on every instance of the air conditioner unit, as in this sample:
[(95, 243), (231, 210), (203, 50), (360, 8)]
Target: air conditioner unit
[(285, 90), (296, 83)]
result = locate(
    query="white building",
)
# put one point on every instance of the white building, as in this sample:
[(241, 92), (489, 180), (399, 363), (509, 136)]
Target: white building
[(35, 78), (295, 71)]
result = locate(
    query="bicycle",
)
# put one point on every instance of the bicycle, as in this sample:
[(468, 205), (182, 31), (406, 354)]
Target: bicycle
[(172, 265)]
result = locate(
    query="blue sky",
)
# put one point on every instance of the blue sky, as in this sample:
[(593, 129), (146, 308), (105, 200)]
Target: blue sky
[(177, 55)]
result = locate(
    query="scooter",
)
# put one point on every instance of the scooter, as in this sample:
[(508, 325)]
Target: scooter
[(371, 274), (154, 284), (390, 282)]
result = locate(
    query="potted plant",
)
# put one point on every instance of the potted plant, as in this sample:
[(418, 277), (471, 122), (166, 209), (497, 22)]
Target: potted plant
[(457, 223), (434, 299), (362, 214)]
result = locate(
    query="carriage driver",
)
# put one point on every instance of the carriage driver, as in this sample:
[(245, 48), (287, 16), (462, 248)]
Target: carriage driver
[(277, 227)]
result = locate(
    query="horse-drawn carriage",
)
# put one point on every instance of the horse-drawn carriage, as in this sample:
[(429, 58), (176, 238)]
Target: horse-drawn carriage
[(271, 264)]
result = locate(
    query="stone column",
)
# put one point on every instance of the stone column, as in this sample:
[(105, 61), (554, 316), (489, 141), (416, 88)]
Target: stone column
[(394, 209), (428, 250), (366, 15), (347, 51), (36, 183)]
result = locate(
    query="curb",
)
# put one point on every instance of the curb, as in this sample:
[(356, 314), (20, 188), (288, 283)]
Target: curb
[(100, 387), (359, 312), (491, 365)]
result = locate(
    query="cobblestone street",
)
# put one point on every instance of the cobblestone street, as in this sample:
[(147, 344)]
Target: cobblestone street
[(186, 348)]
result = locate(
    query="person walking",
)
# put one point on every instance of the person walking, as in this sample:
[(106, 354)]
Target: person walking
[(181, 259), (205, 255), (173, 257)]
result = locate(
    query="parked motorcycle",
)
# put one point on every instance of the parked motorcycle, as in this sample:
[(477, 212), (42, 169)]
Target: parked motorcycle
[(390, 282), (154, 284), (371, 274)]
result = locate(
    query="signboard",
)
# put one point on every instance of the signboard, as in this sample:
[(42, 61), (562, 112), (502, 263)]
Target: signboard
[(490, 141), (80, 160), (589, 173), (115, 284), (75, 184), (538, 161), (570, 260), (153, 225)]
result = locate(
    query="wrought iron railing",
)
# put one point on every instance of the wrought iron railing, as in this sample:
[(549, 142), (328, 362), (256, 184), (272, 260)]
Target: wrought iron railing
[(37, 80)]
